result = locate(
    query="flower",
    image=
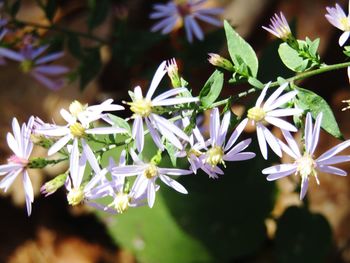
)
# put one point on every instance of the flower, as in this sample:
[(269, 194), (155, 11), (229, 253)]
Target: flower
[(78, 120), (31, 63), (78, 190), (179, 12), (271, 113), (337, 17), (147, 174), (305, 164), (219, 151), (144, 109), (21, 145), (279, 27)]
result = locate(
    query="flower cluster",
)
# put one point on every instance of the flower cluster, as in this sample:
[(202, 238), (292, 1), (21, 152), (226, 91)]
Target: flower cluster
[(134, 180)]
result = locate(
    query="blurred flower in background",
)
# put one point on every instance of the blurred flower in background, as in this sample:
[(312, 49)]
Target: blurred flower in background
[(179, 13)]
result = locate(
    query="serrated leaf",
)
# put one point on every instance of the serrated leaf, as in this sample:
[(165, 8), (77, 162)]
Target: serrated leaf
[(238, 47), (212, 88), (291, 58), (310, 101), (120, 122)]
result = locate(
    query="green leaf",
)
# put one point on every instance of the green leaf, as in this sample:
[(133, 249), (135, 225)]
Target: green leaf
[(238, 47), (302, 237), (50, 9), (120, 122), (90, 66), (171, 149), (310, 101), (290, 57), (74, 46), (98, 12), (212, 88)]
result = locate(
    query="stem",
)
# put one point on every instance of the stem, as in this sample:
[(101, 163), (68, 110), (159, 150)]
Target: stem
[(62, 30)]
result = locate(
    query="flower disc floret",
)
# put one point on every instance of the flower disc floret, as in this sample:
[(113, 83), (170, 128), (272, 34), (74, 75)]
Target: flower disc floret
[(151, 171), (306, 166), (26, 65), (215, 156), (76, 107), (77, 130), (141, 107), (120, 202), (256, 114), (75, 196)]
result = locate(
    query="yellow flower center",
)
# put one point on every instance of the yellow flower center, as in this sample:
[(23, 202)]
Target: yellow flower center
[(76, 107), (214, 156), (77, 130), (256, 114), (121, 202), (345, 23), (26, 65), (75, 196), (151, 171), (194, 152), (141, 107), (306, 166)]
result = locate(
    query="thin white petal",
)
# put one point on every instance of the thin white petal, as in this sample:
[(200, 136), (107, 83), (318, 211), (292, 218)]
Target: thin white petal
[(234, 136), (262, 95), (261, 140), (59, 144), (272, 141), (173, 184), (282, 124), (161, 71)]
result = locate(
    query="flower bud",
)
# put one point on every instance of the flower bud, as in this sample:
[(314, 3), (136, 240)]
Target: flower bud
[(220, 62), (53, 185)]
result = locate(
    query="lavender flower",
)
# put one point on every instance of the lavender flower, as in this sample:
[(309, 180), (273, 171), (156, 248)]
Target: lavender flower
[(144, 109), (337, 17), (305, 164), (279, 27), (147, 174), (271, 113), (184, 12), (78, 124), (21, 145), (219, 152), (33, 62)]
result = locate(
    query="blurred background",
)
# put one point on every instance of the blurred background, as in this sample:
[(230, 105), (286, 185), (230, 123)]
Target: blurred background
[(238, 218)]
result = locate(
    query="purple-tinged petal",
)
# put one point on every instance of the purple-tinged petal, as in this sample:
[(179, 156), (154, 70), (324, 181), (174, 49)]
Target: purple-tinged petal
[(223, 128), (173, 184), (308, 132), (275, 95), (137, 133), (49, 58), (170, 126), (174, 171), (90, 157), (316, 133), (194, 27), (154, 134), (292, 144), (334, 160), (208, 19), (38, 51), (282, 124), (214, 125), (276, 176), (239, 156), (168, 94), (239, 129), (261, 140), (333, 151), (151, 193), (331, 170), (284, 112), (59, 145), (51, 70), (262, 95), (10, 54), (49, 83), (281, 100), (304, 186), (272, 141), (239, 147), (158, 76)]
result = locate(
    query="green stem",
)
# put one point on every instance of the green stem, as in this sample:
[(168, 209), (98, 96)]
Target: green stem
[(61, 29)]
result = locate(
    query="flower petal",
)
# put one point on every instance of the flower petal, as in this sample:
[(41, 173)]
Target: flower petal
[(173, 184)]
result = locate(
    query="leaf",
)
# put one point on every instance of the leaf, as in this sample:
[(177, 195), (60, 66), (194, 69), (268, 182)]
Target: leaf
[(309, 241), (310, 101), (120, 122), (14, 8), (74, 46), (98, 12), (238, 47), (50, 9), (291, 59), (212, 88), (171, 149), (90, 66)]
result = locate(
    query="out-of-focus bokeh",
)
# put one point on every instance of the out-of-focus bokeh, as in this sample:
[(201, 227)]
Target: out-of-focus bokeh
[(238, 218)]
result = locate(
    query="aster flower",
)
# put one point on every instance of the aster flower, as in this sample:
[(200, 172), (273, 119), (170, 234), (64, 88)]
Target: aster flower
[(33, 62), (144, 109), (279, 27), (78, 190), (78, 124), (337, 17), (21, 145), (305, 163), (184, 12), (219, 150), (270, 112), (118, 190), (147, 174)]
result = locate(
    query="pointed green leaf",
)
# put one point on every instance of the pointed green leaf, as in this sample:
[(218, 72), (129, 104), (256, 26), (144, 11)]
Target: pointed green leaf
[(238, 47), (290, 57), (212, 88)]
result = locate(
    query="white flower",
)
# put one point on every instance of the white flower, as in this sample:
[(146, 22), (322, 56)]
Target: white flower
[(279, 27), (219, 150), (144, 110), (78, 190), (147, 174), (337, 17), (270, 113), (305, 163), (78, 121), (21, 145)]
